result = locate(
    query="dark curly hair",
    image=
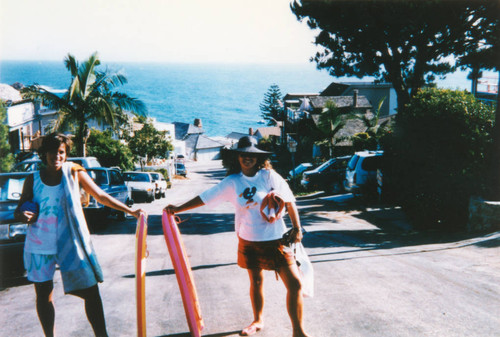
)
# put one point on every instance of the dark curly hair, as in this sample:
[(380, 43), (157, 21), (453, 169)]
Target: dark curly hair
[(51, 142), (232, 165)]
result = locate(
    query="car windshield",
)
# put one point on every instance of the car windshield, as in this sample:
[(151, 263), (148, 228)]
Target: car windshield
[(99, 176), (324, 165), (352, 163), (11, 188), (141, 177)]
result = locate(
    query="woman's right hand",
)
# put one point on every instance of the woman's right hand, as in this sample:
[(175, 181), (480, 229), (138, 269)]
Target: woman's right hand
[(26, 216), (170, 209)]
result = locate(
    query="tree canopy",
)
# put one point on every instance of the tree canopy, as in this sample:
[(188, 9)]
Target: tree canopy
[(149, 143), (90, 96), (7, 158), (407, 43)]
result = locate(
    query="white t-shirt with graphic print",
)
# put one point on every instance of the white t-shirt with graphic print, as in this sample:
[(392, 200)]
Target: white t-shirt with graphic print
[(246, 194)]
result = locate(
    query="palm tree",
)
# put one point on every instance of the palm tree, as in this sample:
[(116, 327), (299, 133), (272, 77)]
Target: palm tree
[(89, 96), (331, 121)]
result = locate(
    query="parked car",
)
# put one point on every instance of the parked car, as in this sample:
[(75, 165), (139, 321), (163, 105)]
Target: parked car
[(300, 169), (31, 165), (361, 173), (160, 184), (12, 232), (141, 184), (180, 169), (110, 181), (327, 177)]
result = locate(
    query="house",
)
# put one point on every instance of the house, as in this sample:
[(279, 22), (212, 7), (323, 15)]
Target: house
[(374, 92), (22, 119), (200, 147), (353, 126)]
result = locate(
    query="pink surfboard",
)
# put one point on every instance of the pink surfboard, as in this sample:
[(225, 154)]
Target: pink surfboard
[(183, 273), (140, 274)]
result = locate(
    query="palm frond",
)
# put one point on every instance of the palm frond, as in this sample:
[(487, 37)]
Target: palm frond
[(72, 65)]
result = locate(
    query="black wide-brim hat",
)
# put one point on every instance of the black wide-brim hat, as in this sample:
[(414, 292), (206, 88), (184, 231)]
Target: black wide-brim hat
[(248, 144)]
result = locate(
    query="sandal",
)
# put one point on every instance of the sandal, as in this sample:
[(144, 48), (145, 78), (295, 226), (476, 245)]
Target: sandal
[(252, 329)]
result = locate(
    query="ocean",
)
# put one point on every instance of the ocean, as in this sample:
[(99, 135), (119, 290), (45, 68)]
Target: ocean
[(226, 97)]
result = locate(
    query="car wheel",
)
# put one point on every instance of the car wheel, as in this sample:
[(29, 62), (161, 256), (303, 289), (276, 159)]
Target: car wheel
[(335, 188)]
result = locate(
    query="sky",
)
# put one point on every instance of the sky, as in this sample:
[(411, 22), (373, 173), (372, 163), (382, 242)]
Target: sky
[(214, 31)]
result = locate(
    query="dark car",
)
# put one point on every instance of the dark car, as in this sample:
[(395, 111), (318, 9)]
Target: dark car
[(110, 181), (12, 232), (328, 177)]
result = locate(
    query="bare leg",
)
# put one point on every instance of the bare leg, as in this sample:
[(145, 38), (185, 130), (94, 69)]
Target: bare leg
[(257, 298), (294, 302), (93, 309), (45, 306)]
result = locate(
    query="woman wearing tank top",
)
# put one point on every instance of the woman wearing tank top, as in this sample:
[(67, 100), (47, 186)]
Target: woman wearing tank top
[(54, 214)]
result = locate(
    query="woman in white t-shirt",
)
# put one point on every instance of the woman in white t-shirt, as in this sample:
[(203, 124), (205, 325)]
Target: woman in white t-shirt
[(249, 179)]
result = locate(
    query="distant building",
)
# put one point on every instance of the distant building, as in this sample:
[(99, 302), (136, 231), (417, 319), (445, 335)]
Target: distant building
[(373, 92)]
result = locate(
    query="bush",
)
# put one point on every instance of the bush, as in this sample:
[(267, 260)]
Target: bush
[(436, 157), (110, 152)]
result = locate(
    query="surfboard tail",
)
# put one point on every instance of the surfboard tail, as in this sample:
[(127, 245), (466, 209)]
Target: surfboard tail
[(140, 274), (183, 274)]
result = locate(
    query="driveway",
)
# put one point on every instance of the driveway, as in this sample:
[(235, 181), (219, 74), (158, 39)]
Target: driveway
[(374, 276)]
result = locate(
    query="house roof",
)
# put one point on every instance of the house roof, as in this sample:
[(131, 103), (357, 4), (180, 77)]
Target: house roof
[(200, 142), (319, 102), (236, 135), (338, 89), (184, 129), (268, 131), (8, 93)]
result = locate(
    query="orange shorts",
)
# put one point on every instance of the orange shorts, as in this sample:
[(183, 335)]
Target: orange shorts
[(268, 255)]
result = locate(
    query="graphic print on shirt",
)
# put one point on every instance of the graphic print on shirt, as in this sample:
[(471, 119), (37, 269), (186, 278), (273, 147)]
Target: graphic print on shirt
[(248, 194)]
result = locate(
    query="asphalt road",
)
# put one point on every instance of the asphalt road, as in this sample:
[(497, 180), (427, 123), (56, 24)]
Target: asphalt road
[(374, 276)]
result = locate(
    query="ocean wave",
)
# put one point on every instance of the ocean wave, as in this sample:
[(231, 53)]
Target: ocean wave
[(53, 90)]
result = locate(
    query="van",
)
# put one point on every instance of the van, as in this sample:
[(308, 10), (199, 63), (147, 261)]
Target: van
[(361, 172)]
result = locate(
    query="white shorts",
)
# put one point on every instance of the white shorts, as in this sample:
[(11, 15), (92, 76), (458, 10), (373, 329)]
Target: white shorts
[(40, 267)]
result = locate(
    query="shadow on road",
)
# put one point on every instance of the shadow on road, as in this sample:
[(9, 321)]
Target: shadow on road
[(172, 271), (387, 226), (390, 228)]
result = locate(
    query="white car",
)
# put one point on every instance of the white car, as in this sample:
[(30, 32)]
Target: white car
[(361, 173), (140, 184), (160, 184)]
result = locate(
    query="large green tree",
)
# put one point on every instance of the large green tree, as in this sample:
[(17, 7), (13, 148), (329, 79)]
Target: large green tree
[(406, 43), (90, 96), (5, 152), (148, 143), (482, 51)]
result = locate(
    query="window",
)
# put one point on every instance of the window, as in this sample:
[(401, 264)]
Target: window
[(115, 178), (371, 163)]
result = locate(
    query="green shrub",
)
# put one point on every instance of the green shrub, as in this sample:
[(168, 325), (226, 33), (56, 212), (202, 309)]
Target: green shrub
[(110, 152), (437, 156)]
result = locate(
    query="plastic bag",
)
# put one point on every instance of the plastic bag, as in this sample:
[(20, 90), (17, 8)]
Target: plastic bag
[(305, 269)]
